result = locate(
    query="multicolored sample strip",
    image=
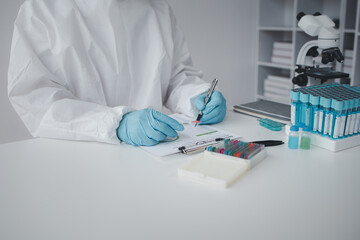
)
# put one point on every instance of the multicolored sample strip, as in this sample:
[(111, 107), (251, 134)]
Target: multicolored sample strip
[(237, 148)]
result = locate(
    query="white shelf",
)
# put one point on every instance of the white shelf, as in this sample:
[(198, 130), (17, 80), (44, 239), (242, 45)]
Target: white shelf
[(349, 31), (275, 65), (275, 29), (300, 30)]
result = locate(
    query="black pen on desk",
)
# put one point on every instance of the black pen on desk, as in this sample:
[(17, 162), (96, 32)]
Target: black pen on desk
[(208, 95), (269, 143)]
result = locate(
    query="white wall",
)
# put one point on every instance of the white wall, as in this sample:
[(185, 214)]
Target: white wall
[(220, 35), (11, 127)]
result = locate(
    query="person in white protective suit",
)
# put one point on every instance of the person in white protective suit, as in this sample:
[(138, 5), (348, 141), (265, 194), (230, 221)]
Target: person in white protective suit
[(102, 70)]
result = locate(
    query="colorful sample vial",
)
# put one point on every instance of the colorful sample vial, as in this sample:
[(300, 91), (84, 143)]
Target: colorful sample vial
[(294, 137)]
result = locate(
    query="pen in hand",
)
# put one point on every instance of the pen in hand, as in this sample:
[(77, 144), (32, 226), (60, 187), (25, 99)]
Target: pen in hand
[(208, 95)]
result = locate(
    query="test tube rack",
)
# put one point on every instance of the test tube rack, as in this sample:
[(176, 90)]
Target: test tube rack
[(332, 111)]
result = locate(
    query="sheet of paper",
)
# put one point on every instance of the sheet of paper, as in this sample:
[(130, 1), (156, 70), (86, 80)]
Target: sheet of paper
[(201, 135)]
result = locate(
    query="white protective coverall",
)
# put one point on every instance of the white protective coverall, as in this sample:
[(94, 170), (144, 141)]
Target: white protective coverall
[(77, 66)]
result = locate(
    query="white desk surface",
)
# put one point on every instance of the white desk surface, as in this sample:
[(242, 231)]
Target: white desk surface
[(53, 189)]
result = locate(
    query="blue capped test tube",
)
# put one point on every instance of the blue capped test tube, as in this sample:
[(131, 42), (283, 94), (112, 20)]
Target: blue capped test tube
[(327, 112), (331, 120), (321, 115), (338, 106), (295, 106), (353, 116), (357, 119), (305, 108), (349, 117), (314, 112), (343, 118)]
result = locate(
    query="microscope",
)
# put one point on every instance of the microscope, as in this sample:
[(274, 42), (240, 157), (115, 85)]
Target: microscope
[(327, 45)]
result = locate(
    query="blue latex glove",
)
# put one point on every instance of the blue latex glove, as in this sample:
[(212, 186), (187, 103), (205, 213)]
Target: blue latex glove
[(147, 127), (215, 109)]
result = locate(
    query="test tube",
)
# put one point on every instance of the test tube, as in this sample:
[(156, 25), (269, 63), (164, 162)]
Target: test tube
[(299, 108), (327, 104), (331, 121), (353, 116), (343, 118), (295, 106), (315, 109), (357, 121), (305, 109), (338, 106), (349, 117), (321, 115)]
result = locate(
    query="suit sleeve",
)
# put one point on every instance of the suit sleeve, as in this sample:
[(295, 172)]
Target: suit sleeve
[(46, 103)]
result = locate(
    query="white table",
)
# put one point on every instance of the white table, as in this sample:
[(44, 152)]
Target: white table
[(53, 189)]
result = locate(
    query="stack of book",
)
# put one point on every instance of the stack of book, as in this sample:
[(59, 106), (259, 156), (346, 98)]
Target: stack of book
[(278, 88), (282, 53), (348, 62)]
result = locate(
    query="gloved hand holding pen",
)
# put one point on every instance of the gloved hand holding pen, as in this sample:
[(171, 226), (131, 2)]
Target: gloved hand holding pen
[(147, 127), (214, 111)]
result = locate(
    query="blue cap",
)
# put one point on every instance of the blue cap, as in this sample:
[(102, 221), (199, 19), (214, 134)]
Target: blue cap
[(294, 95), (337, 105), (327, 102), (351, 103), (294, 128), (314, 100), (357, 102), (306, 129), (304, 97), (346, 104)]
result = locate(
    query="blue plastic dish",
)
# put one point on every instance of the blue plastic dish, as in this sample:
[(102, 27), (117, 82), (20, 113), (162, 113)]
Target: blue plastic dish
[(270, 124)]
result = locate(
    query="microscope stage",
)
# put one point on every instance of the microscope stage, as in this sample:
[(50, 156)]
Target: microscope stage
[(325, 73)]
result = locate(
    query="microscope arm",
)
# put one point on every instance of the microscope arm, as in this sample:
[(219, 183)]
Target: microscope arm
[(302, 59)]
